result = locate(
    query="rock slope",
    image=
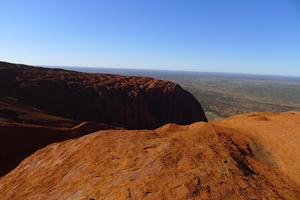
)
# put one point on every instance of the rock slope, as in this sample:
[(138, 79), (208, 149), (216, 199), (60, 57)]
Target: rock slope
[(14, 111), (39, 106), (253, 156), (129, 102), (20, 140)]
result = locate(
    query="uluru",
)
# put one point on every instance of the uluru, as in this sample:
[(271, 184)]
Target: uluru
[(255, 159), (39, 106), (74, 135), (149, 100), (124, 101)]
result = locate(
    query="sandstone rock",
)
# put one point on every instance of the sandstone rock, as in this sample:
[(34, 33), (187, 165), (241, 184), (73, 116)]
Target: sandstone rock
[(129, 102), (227, 159), (14, 111), (20, 140)]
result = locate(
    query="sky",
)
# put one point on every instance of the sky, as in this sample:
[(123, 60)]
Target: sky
[(235, 36)]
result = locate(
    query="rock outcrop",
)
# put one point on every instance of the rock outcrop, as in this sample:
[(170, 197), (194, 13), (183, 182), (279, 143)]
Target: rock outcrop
[(60, 112), (256, 158), (14, 111), (129, 102), (39, 106), (20, 140)]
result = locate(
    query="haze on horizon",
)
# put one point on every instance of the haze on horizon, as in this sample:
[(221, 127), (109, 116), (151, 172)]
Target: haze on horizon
[(256, 37)]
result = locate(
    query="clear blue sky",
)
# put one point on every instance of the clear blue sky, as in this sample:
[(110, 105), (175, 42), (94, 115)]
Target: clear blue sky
[(243, 36)]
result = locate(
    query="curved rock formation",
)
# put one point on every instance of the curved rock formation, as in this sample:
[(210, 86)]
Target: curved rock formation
[(20, 140), (14, 111), (129, 102), (218, 160)]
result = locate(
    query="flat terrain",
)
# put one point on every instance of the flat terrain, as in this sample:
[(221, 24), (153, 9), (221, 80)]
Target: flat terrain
[(224, 95)]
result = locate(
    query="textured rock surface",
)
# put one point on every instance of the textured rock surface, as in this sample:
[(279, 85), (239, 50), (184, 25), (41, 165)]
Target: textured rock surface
[(218, 160), (20, 140), (14, 111), (129, 102), (25, 129), (276, 139)]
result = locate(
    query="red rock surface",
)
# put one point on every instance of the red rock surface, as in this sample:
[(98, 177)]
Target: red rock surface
[(20, 140), (129, 102), (253, 156), (14, 111)]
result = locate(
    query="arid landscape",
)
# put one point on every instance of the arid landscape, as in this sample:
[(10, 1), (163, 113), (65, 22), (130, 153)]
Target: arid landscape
[(75, 135), (48, 103), (223, 95), (149, 100)]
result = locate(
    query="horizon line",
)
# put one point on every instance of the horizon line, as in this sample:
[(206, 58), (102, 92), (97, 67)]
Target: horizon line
[(155, 69), (175, 70)]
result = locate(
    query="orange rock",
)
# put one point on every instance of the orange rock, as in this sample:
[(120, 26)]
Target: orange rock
[(251, 156), (20, 140), (122, 101)]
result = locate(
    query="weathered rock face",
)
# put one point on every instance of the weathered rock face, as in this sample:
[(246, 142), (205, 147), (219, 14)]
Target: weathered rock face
[(217, 160), (129, 102), (39, 106), (20, 140), (14, 111)]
